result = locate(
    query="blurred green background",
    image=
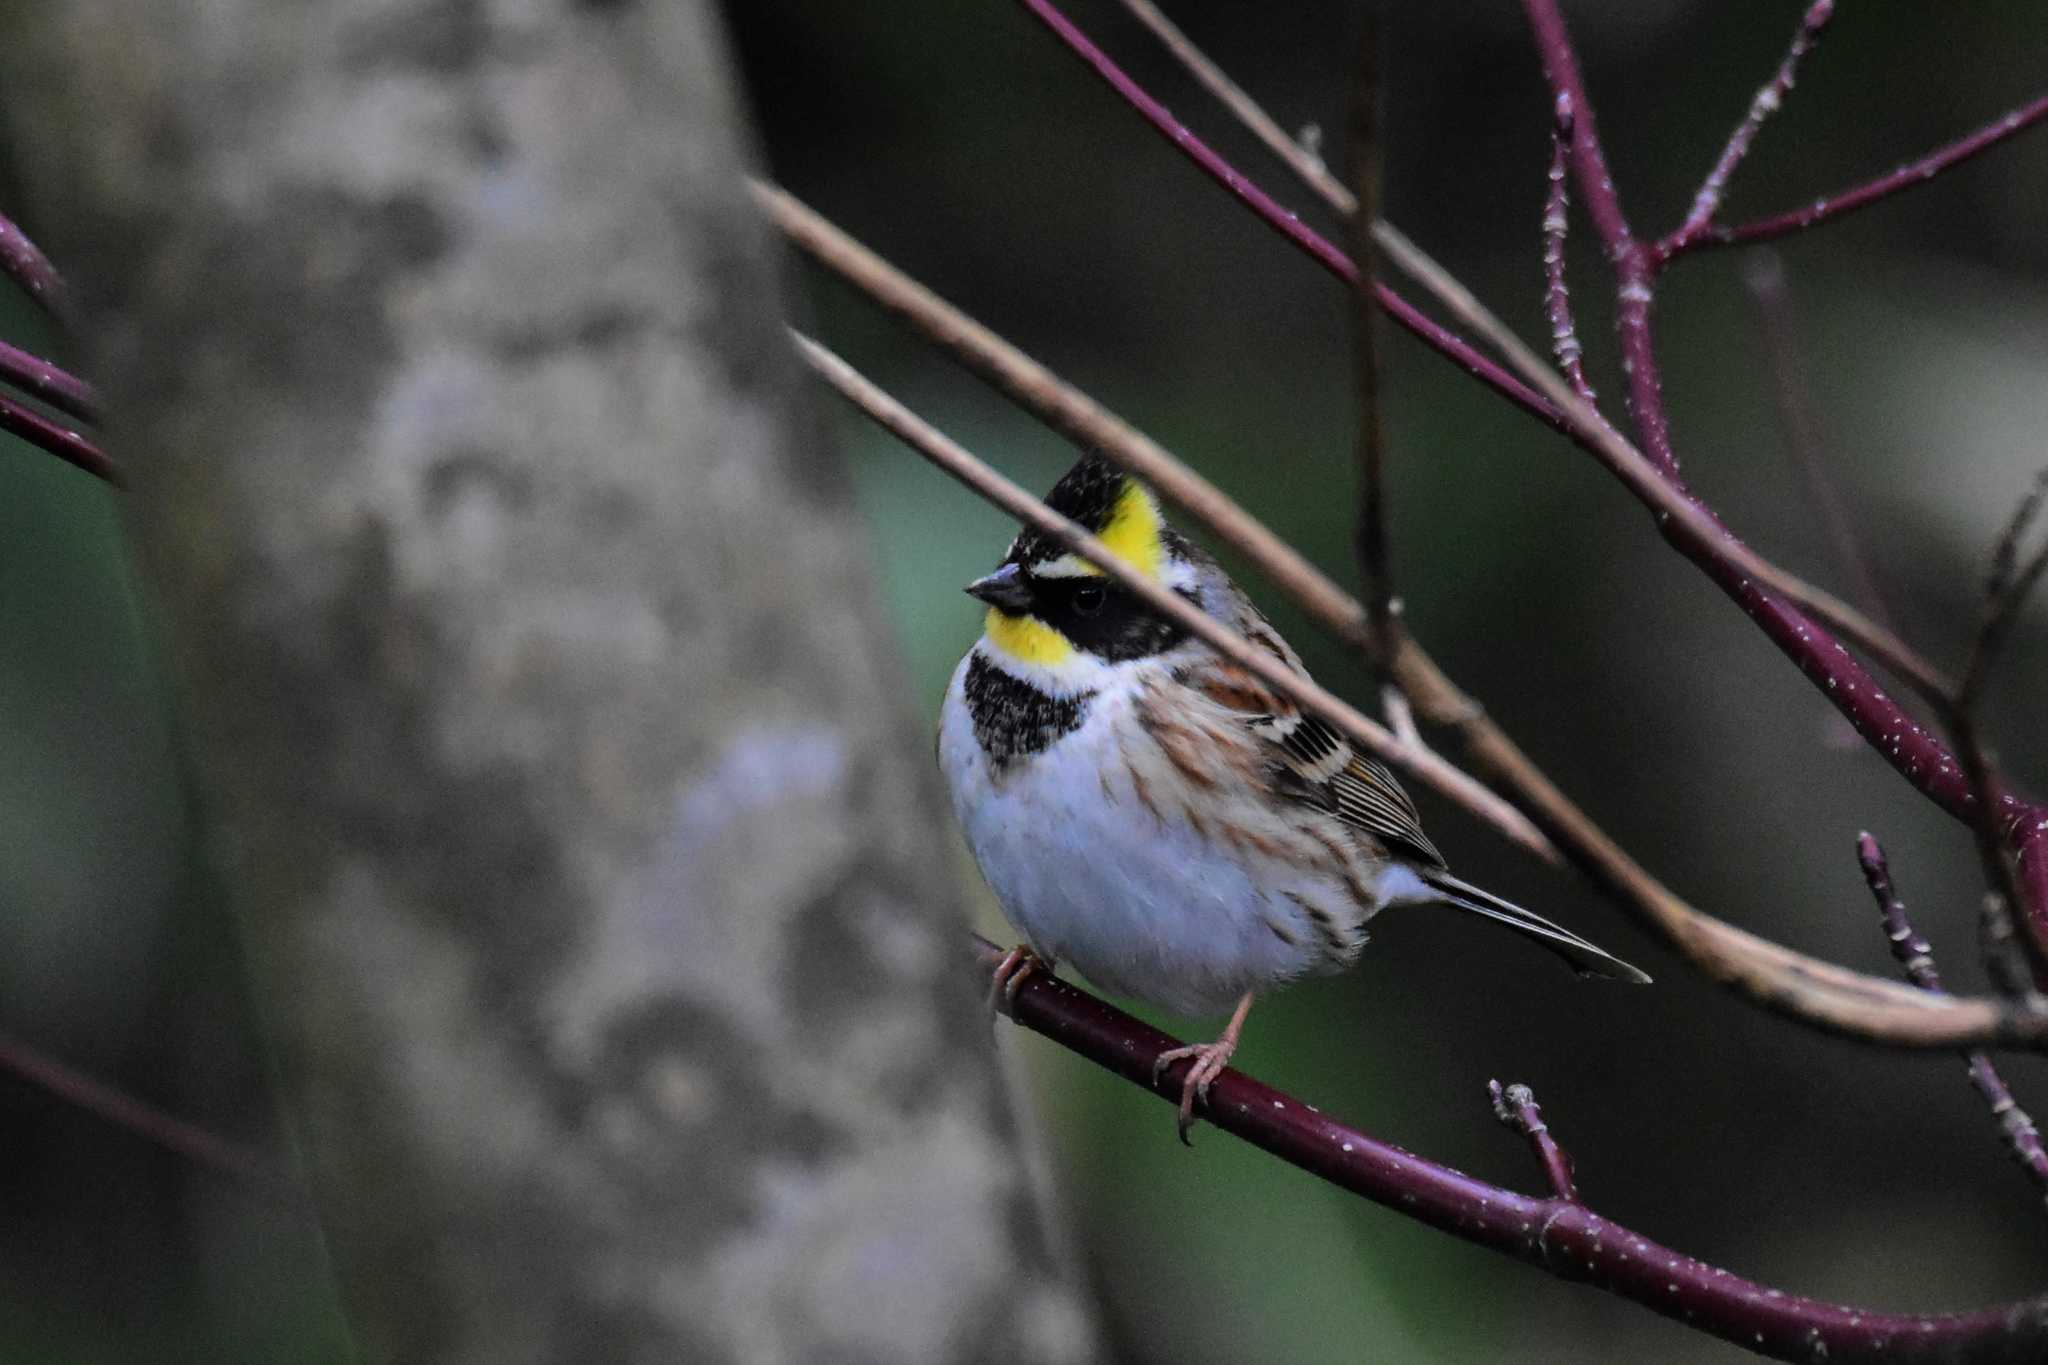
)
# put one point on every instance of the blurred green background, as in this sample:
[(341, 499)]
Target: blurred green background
[(959, 141)]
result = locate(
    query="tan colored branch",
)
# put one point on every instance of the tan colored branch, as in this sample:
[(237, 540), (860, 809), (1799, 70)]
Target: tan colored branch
[(1001, 492), (1787, 982)]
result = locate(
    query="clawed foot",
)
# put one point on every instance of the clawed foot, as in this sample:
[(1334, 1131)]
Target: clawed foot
[(1210, 1059), (1017, 964)]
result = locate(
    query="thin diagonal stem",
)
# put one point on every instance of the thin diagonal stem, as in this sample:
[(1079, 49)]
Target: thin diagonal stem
[(23, 262), (1067, 410), (1768, 100), (1876, 717), (1558, 1236), (145, 1121), (1306, 165), (1763, 275), (955, 460), (1914, 173), (1915, 957), (1635, 470), (38, 378), (61, 441), (1268, 211), (1793, 984)]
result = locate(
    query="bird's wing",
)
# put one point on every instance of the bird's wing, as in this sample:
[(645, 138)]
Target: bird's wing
[(1310, 761)]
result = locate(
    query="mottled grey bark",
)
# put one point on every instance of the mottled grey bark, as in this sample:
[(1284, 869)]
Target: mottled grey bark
[(535, 681)]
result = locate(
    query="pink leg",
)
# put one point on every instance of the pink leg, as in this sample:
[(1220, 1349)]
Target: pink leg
[(1210, 1059)]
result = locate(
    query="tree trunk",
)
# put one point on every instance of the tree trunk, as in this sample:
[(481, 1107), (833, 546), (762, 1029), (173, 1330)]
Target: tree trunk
[(535, 682)]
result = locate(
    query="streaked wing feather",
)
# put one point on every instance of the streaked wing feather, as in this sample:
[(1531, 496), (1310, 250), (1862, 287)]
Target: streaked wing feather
[(1368, 796), (1317, 765)]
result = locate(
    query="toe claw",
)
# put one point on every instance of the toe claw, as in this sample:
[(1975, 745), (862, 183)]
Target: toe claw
[(1008, 978)]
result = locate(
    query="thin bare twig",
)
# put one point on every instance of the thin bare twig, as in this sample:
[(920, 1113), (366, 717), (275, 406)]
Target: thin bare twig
[(1306, 165), (61, 441), (1557, 219), (145, 1121), (955, 460), (1319, 248), (1067, 410), (1763, 276), (1516, 1108), (1558, 1236), (1647, 483), (2006, 589), (1794, 984), (1914, 173), (23, 262), (1375, 570), (1916, 958), (1909, 747), (38, 378), (1707, 202)]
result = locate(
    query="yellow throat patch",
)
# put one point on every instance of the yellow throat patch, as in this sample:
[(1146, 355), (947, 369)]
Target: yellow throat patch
[(1134, 534)]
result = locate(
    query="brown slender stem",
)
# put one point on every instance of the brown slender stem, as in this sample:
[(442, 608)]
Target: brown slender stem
[(1432, 334), (1706, 203), (1558, 1236), (1306, 165), (1068, 411), (1915, 957), (1880, 721), (1798, 986), (1375, 571), (1515, 1106), (955, 460)]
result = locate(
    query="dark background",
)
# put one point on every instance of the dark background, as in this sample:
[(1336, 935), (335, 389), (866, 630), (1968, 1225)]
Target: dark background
[(961, 142)]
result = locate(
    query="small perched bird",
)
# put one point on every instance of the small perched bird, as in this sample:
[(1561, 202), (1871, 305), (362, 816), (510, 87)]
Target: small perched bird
[(1155, 815)]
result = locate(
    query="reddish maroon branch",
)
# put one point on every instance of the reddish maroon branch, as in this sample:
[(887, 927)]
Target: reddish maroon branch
[(1884, 725), (38, 378), (1556, 1235), (151, 1124), (1319, 248), (1707, 202), (1906, 177), (1916, 959), (61, 441), (23, 262), (1516, 1108), (1634, 268), (1557, 298)]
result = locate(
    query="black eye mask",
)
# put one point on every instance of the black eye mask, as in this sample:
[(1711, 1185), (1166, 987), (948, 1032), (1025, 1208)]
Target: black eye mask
[(1102, 619)]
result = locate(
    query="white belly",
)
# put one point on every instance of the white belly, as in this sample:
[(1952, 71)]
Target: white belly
[(1126, 892)]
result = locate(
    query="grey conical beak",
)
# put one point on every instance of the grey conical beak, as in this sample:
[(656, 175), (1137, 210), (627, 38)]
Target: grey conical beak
[(1005, 590)]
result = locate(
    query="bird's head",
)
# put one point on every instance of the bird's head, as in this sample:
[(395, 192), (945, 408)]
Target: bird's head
[(1052, 611)]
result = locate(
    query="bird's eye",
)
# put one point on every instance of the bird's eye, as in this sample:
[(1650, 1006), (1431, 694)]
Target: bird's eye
[(1088, 600)]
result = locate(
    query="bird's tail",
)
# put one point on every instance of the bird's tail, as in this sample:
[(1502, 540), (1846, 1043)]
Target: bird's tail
[(1585, 958)]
